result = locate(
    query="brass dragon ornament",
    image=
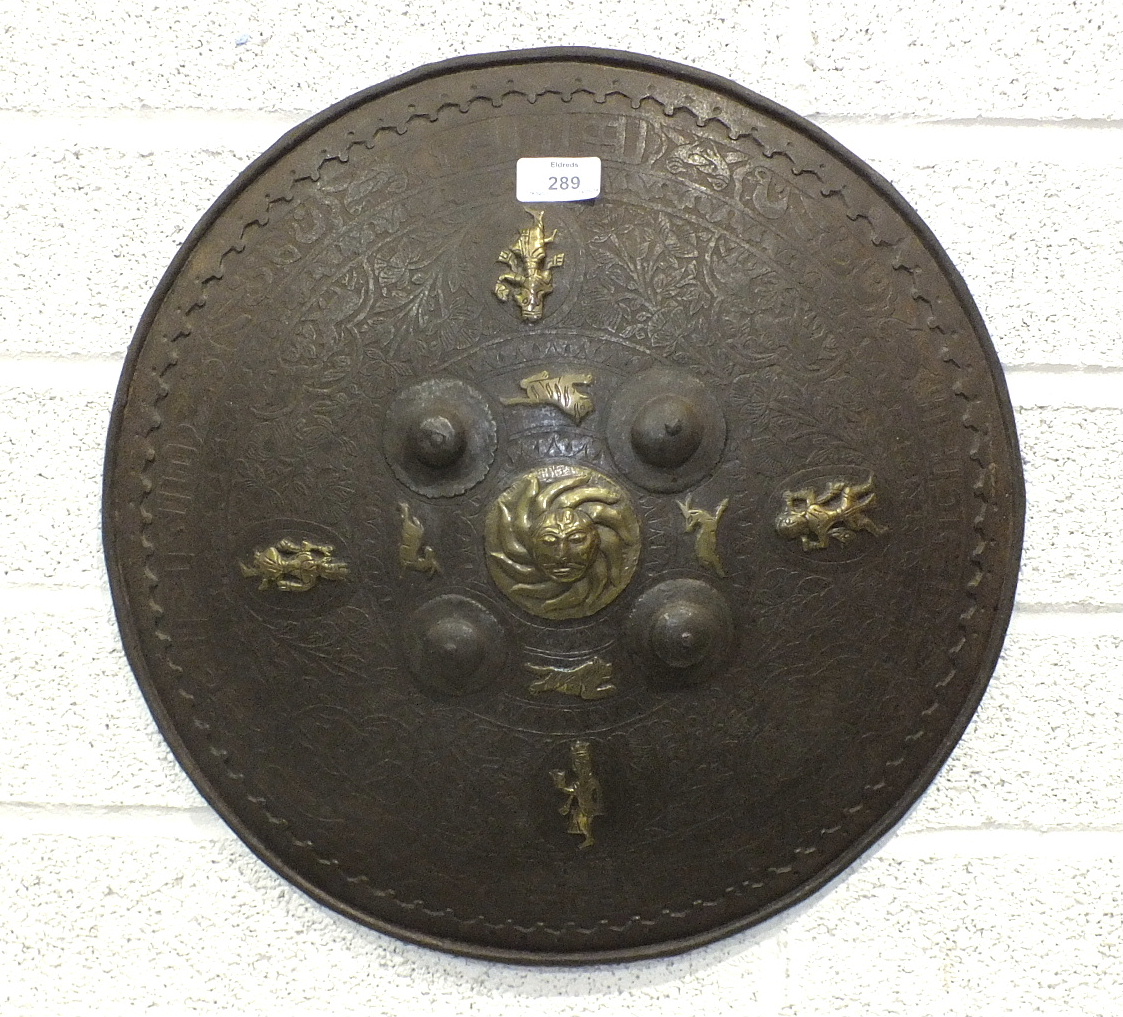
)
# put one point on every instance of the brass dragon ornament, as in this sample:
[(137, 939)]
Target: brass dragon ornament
[(531, 276)]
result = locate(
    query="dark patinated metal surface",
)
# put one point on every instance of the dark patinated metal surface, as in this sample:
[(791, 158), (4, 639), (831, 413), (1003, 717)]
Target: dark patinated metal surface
[(565, 582)]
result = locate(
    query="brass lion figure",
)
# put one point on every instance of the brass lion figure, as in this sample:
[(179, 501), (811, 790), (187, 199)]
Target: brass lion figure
[(562, 541), (838, 513), (293, 567)]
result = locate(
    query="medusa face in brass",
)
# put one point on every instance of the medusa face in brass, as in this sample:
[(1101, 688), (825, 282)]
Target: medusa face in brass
[(562, 542)]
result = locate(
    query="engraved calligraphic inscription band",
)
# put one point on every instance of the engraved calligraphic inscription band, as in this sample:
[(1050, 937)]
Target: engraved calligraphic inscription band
[(567, 582)]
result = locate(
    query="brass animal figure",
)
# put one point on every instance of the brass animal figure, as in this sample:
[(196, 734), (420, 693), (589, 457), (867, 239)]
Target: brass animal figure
[(839, 512), (589, 680), (293, 567), (531, 278), (560, 391), (413, 553), (583, 801), (705, 523)]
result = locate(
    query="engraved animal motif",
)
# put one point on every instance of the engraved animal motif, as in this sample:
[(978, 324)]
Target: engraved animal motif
[(583, 801), (589, 680), (704, 157), (294, 567), (531, 278), (705, 523), (560, 391), (413, 553), (839, 512)]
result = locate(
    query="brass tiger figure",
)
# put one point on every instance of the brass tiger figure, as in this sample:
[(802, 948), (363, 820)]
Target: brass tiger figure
[(560, 391), (591, 680)]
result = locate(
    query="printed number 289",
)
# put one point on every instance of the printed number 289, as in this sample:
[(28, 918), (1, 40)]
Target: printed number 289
[(565, 183)]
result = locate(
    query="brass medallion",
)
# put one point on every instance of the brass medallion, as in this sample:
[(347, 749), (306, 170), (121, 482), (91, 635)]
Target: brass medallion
[(591, 604), (562, 541)]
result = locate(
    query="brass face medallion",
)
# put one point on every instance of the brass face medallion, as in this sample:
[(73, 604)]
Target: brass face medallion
[(562, 541)]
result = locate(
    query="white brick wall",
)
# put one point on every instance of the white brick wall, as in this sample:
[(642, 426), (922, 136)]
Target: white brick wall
[(119, 890)]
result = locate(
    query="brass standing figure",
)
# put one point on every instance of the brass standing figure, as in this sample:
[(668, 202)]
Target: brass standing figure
[(414, 553), (582, 793), (591, 680), (839, 512), (531, 278), (560, 391), (305, 562), (705, 523)]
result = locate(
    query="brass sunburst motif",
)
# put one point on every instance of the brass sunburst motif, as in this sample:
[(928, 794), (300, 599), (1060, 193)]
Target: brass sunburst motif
[(562, 541)]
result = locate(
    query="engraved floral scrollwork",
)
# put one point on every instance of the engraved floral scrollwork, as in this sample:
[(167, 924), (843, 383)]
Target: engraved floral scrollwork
[(701, 157)]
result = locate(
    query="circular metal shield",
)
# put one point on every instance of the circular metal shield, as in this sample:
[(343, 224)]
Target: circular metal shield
[(562, 581)]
